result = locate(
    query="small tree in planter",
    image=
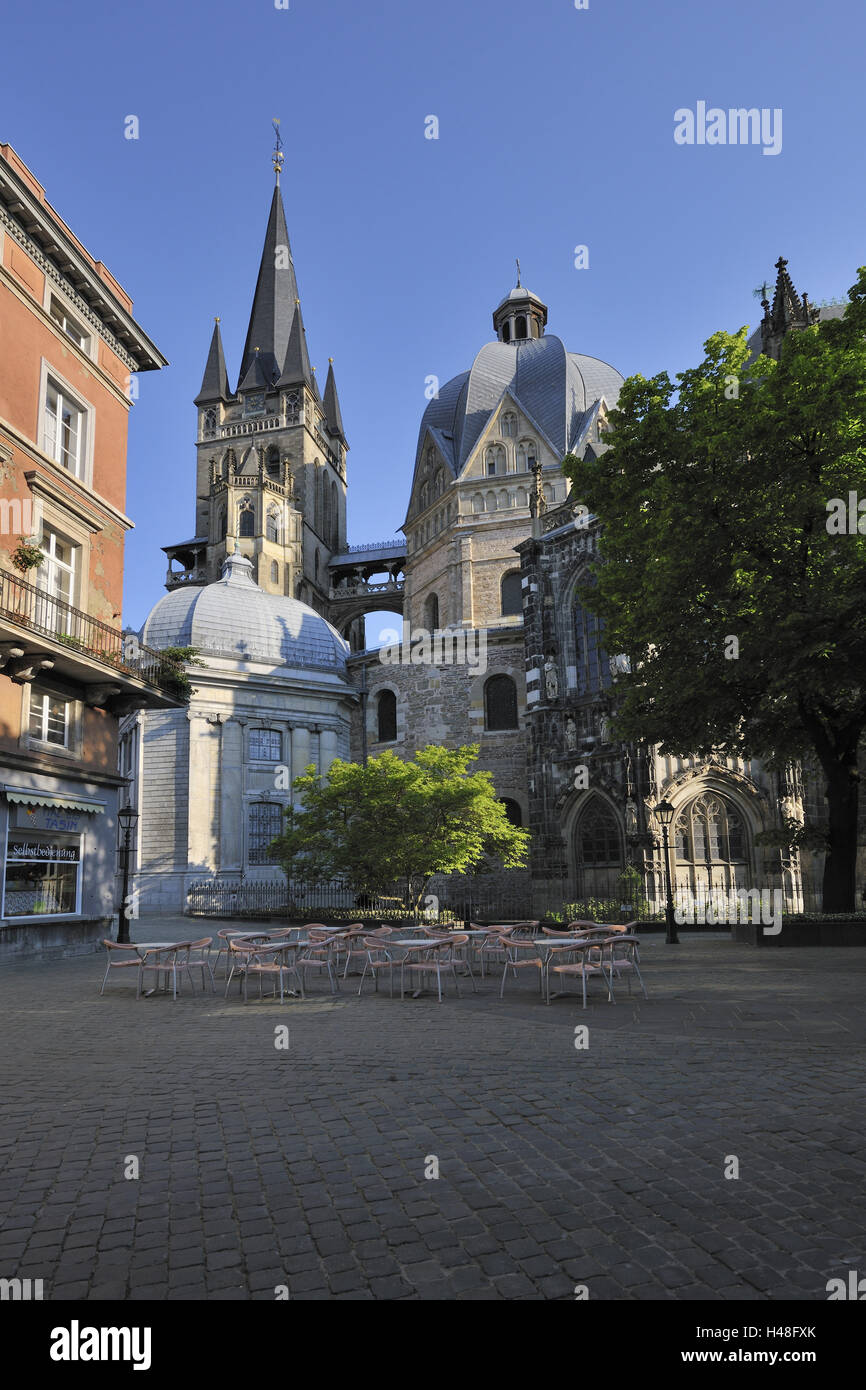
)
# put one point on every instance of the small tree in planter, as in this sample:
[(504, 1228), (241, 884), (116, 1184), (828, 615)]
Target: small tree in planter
[(27, 555), (630, 885)]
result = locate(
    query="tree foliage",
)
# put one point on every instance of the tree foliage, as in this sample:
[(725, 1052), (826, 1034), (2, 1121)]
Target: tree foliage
[(715, 498), (395, 821)]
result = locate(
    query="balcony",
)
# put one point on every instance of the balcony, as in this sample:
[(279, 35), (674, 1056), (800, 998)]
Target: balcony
[(41, 634)]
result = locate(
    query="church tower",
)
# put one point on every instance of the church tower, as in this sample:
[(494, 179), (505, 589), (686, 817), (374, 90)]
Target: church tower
[(271, 455)]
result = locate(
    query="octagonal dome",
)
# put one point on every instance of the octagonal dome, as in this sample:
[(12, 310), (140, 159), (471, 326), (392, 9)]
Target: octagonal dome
[(234, 618)]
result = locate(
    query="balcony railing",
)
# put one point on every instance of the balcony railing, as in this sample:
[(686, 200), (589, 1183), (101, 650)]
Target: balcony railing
[(40, 613)]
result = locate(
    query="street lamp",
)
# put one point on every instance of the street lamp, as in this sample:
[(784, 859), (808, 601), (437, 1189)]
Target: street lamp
[(127, 815), (664, 814)]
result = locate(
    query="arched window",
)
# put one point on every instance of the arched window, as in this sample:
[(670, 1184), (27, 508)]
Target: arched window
[(495, 460), (265, 745), (272, 462), (512, 594), (521, 457), (598, 837), (512, 811), (275, 572), (593, 667), (386, 716), (509, 425), (335, 517), (477, 502), (266, 822), (273, 526), (506, 332), (710, 831), (318, 482), (210, 423), (520, 326), (431, 612), (246, 519), (500, 703)]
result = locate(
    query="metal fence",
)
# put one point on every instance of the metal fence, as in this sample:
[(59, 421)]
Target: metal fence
[(37, 611), (490, 899)]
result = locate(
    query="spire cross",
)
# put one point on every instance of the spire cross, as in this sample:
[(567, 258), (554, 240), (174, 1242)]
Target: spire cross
[(278, 156)]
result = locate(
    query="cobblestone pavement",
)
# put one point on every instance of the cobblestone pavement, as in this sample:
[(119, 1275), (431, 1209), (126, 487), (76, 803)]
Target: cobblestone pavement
[(558, 1166)]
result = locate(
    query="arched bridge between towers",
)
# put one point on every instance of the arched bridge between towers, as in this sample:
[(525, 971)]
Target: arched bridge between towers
[(366, 579)]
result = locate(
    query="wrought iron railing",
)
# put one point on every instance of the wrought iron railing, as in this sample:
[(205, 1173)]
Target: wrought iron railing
[(36, 611)]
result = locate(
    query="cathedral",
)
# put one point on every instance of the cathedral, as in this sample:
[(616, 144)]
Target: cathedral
[(274, 600)]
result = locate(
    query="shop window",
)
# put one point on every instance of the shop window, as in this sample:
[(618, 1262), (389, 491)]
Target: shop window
[(42, 875)]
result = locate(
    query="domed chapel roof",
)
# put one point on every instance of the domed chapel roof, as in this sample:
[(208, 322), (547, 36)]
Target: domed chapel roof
[(234, 618)]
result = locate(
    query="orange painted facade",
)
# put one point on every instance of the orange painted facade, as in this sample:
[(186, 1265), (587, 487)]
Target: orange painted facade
[(53, 336)]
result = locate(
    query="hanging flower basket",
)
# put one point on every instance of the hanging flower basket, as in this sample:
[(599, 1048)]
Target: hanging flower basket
[(26, 556)]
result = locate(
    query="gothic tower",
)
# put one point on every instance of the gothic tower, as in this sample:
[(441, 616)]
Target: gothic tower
[(271, 455)]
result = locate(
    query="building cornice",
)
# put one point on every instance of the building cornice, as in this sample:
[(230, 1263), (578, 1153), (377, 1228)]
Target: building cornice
[(73, 274)]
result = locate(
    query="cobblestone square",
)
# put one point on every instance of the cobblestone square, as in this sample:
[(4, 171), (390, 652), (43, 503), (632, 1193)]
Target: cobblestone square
[(304, 1169)]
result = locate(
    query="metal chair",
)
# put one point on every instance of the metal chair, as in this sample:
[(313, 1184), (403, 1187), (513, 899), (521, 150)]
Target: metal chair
[(131, 962), (171, 959), (584, 960), (436, 957), (261, 960), (378, 957), (514, 961)]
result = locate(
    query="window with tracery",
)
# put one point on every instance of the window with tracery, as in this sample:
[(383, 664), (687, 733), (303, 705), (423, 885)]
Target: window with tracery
[(509, 425), (246, 519), (710, 831), (593, 667), (598, 836)]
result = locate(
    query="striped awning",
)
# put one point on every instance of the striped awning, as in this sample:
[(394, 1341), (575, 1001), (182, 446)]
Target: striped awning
[(63, 803)]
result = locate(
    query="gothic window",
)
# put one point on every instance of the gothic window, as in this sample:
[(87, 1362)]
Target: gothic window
[(710, 831), (272, 462), (512, 811), (210, 423), (275, 572), (593, 667), (598, 836), (273, 527), (431, 612), (266, 822), (265, 745), (495, 460), (500, 704), (292, 407), (509, 425), (386, 716), (246, 519), (222, 522), (512, 594), (334, 540), (521, 458)]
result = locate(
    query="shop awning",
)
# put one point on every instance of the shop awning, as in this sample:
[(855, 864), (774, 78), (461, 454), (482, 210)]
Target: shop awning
[(63, 803)]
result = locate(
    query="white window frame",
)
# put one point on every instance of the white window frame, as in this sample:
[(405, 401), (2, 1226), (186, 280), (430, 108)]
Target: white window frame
[(46, 574), (46, 696), (84, 470), (41, 916), (68, 323)]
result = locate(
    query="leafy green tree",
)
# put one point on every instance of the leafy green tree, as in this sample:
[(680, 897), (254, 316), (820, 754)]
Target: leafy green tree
[(724, 574), (395, 821)]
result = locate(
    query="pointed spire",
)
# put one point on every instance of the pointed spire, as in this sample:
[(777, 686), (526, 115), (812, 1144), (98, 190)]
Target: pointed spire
[(333, 417), (275, 298), (315, 385), (789, 312), (257, 378), (296, 366), (215, 382)]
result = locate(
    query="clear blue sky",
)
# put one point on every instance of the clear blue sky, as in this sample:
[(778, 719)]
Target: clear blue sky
[(556, 129)]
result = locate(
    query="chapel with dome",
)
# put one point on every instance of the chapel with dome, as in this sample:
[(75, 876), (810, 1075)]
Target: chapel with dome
[(273, 599)]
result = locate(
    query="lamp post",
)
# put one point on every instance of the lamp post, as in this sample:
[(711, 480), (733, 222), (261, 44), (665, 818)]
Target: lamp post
[(127, 815), (664, 814)]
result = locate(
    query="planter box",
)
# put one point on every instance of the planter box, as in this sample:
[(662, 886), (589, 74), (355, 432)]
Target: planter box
[(803, 932)]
